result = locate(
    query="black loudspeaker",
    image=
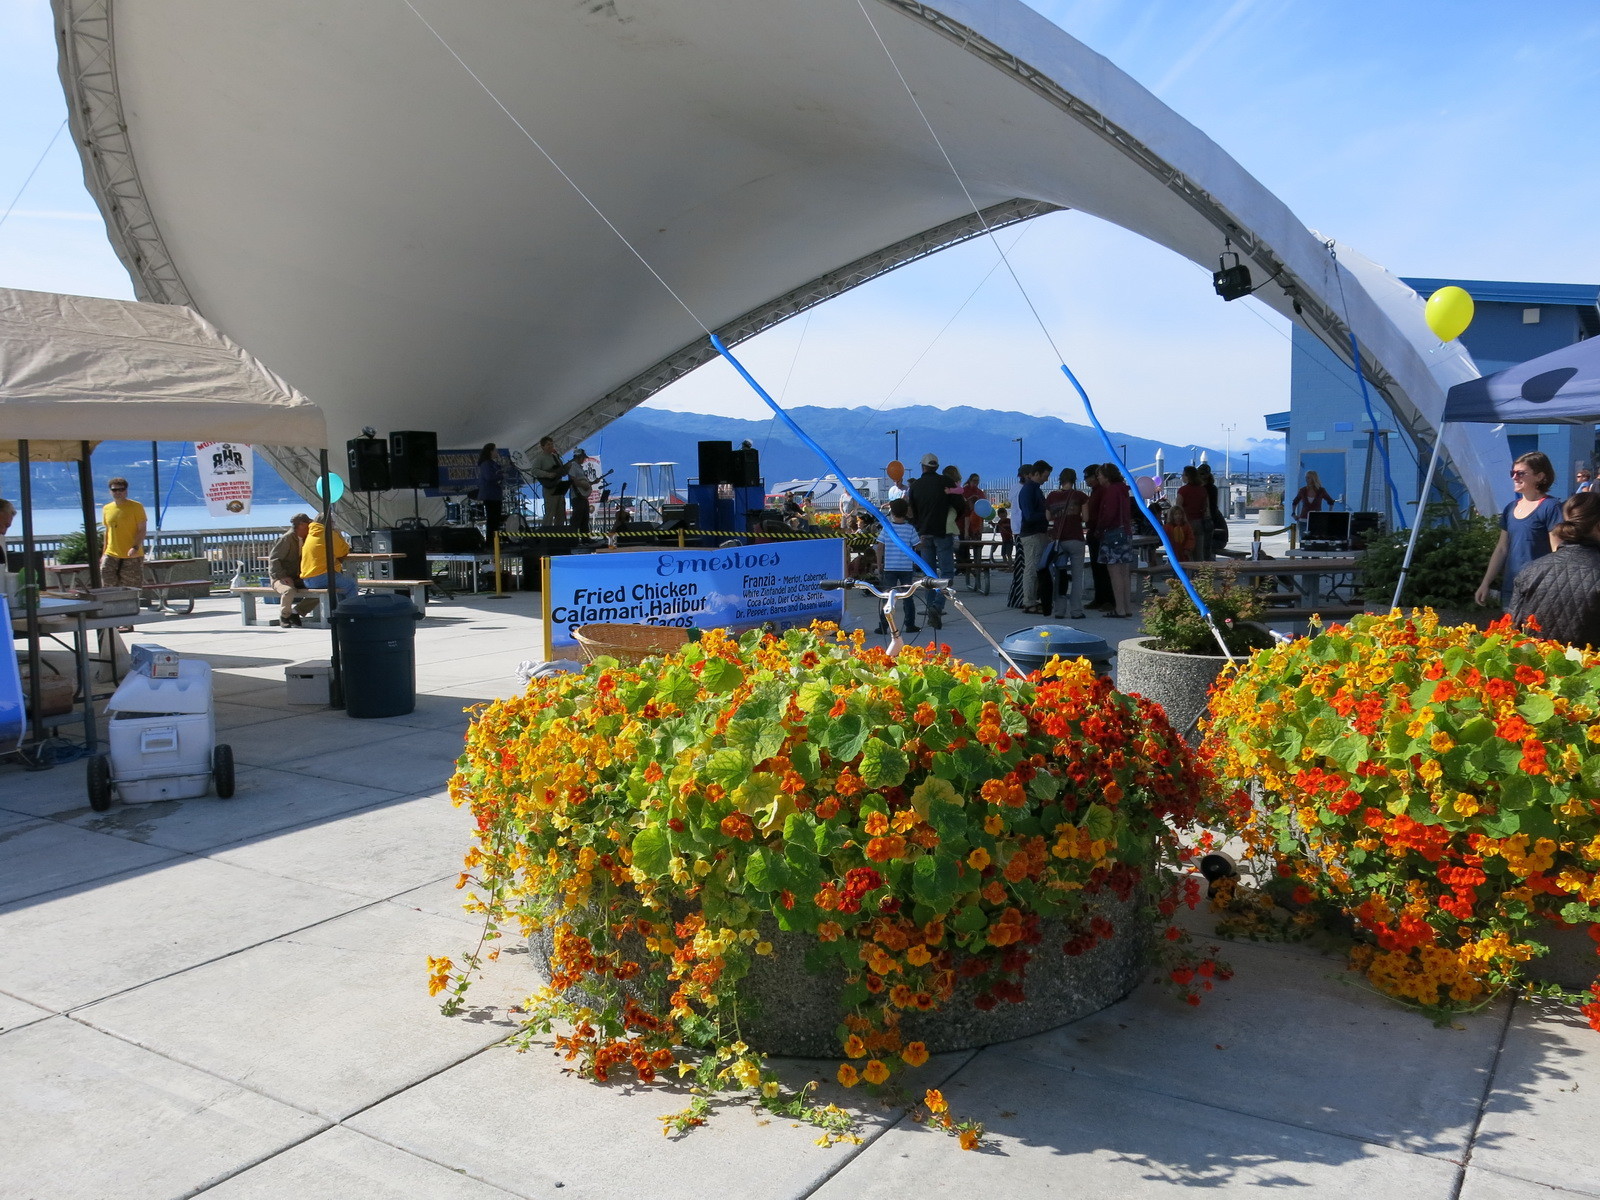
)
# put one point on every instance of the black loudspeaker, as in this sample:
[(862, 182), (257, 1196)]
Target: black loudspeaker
[(410, 544), (716, 462), (369, 464), (413, 459), (744, 467), (680, 516), (1363, 525)]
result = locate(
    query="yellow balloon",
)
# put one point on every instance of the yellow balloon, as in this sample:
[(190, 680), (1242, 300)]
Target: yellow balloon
[(1449, 312)]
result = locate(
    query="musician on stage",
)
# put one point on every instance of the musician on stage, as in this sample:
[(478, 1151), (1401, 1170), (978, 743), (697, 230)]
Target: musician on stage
[(581, 484), (551, 473)]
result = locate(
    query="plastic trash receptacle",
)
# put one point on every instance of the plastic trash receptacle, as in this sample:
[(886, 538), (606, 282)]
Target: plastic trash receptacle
[(377, 655), (1035, 646)]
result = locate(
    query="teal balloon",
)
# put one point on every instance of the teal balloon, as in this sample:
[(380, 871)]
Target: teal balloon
[(334, 491), (983, 508)]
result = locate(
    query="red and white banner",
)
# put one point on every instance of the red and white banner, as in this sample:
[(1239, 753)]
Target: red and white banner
[(226, 472)]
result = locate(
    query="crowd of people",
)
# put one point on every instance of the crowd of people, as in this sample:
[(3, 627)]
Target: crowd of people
[(1071, 544)]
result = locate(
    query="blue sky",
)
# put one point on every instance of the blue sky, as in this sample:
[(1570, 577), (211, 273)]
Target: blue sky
[(1449, 139)]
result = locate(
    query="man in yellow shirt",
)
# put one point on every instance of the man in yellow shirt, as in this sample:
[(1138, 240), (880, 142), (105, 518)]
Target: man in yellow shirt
[(314, 561), (122, 564)]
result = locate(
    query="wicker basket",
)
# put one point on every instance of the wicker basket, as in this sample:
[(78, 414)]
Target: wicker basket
[(630, 643)]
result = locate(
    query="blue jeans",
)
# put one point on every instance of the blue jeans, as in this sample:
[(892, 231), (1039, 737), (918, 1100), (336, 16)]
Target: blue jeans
[(344, 584), (908, 606), (939, 551)]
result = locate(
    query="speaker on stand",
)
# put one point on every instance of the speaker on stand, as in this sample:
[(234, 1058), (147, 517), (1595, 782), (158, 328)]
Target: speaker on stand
[(744, 467), (716, 463), (368, 461), (414, 462)]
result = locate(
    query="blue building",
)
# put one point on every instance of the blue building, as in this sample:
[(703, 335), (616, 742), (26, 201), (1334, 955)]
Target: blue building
[(1327, 426)]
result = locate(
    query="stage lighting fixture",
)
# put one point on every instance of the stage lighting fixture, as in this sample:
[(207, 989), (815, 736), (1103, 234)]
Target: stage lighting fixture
[(1231, 282)]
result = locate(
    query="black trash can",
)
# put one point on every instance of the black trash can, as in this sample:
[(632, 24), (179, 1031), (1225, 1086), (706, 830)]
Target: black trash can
[(377, 655)]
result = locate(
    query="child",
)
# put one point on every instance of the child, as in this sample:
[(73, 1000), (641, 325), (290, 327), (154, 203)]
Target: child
[(1181, 533), (895, 566), (1002, 526)]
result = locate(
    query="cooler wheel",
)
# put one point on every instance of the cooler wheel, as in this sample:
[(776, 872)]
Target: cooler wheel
[(222, 771), (100, 783)]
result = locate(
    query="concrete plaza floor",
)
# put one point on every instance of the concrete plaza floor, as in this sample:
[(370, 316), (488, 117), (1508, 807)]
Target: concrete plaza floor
[(228, 998)]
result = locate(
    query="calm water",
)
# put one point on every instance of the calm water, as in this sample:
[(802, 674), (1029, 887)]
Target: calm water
[(52, 522)]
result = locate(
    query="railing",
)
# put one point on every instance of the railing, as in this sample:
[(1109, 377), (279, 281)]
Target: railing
[(225, 549)]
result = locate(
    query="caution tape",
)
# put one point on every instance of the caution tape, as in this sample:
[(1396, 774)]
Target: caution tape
[(855, 539)]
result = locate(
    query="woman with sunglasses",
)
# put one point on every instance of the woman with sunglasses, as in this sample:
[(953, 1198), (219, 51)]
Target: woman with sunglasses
[(1525, 525)]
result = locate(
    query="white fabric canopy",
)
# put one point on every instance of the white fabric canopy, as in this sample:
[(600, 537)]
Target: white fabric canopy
[(82, 367), (383, 233)]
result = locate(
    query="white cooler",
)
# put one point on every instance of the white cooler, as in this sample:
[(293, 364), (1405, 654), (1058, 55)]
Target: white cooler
[(162, 735)]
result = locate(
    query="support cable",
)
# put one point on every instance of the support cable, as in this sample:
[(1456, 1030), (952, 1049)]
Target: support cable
[(1160, 530), (716, 342)]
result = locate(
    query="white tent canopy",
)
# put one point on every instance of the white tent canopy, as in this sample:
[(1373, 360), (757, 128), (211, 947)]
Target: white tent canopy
[(79, 367), (328, 183)]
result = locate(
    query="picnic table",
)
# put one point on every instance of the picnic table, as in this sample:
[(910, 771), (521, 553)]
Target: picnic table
[(161, 590), (1319, 582)]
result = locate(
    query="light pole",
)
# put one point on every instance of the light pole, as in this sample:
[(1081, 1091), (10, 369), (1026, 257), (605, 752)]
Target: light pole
[(1247, 476), (1018, 441), (1123, 446), (1227, 456), (895, 434)]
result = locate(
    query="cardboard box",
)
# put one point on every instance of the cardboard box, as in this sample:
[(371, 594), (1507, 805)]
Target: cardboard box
[(155, 661), (308, 682)]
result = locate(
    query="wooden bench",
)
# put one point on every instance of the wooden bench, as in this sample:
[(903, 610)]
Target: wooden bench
[(414, 590)]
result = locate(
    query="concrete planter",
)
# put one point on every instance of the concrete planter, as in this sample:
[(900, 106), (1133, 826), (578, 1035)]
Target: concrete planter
[(1180, 683), (794, 1011), (1270, 518)]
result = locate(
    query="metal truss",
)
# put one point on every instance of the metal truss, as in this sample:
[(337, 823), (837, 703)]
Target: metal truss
[(779, 309)]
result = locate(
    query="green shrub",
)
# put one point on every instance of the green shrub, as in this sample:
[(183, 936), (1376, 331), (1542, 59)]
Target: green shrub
[(74, 548), (1178, 626), (1446, 570)]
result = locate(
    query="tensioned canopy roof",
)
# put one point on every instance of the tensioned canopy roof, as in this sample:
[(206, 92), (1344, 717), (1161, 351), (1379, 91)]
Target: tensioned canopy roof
[(81, 367), (329, 185)]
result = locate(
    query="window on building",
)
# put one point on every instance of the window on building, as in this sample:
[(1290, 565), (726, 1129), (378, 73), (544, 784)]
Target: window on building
[(1530, 316), (1317, 435)]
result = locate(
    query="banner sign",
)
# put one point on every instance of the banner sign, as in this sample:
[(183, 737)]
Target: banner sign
[(458, 471), (737, 586), (226, 470)]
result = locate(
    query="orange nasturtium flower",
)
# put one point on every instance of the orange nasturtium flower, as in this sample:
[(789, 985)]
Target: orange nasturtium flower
[(915, 1054), (876, 1071), (848, 1075), (978, 859)]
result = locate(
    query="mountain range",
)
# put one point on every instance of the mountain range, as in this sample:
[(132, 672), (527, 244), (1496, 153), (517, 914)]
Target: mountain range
[(974, 439)]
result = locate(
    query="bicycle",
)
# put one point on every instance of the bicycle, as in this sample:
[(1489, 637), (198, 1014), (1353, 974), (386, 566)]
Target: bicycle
[(894, 596)]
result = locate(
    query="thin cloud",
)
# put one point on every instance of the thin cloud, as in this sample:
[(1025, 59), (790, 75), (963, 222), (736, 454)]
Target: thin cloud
[(1202, 46)]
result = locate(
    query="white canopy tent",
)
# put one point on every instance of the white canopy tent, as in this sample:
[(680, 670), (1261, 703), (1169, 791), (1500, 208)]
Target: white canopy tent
[(328, 183), (75, 368)]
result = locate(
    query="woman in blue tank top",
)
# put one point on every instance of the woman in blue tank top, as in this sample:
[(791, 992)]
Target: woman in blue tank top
[(1525, 525)]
